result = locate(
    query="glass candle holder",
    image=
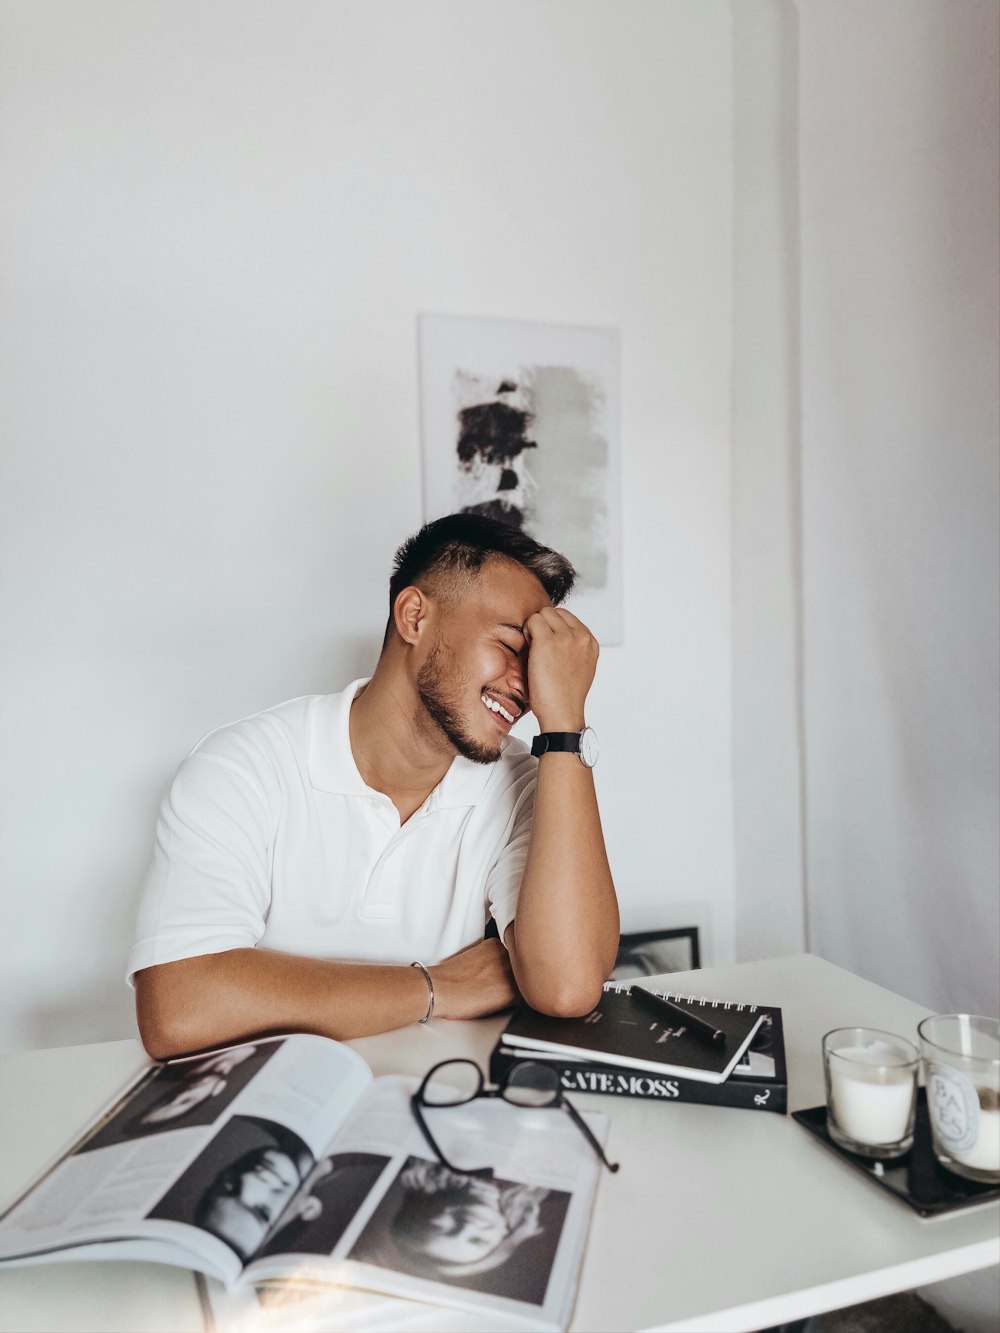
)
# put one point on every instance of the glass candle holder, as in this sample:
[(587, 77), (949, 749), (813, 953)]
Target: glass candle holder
[(871, 1091), (961, 1057)]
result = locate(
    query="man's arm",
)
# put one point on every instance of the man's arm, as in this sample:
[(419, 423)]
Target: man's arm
[(563, 940), (215, 999)]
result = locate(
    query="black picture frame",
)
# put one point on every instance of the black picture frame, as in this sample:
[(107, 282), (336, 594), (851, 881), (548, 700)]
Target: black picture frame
[(646, 953)]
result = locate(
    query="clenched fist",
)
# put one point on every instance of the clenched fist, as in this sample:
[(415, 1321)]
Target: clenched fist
[(562, 660), (474, 982)]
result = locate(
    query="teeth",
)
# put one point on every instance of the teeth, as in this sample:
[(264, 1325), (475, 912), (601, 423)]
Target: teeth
[(497, 708)]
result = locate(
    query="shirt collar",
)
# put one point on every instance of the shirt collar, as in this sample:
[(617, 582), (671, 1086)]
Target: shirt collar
[(332, 767)]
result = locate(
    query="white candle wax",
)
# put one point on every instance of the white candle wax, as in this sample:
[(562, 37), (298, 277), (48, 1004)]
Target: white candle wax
[(870, 1104), (984, 1155)]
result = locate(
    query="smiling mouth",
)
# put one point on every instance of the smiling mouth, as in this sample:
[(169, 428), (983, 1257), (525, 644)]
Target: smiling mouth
[(496, 707)]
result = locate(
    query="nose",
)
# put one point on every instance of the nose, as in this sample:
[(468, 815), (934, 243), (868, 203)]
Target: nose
[(517, 678)]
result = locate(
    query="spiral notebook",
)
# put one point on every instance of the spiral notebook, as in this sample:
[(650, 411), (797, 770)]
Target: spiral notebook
[(618, 1032)]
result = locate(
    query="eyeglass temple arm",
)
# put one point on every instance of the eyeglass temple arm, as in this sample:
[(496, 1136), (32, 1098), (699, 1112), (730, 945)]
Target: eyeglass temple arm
[(587, 1132), (418, 1116), (483, 1172)]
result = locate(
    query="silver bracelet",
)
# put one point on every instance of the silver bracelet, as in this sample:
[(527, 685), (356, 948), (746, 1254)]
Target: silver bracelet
[(430, 988)]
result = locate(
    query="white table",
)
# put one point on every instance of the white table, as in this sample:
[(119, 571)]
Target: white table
[(720, 1219)]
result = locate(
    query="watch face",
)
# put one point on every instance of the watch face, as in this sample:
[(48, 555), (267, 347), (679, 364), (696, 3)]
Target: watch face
[(588, 746)]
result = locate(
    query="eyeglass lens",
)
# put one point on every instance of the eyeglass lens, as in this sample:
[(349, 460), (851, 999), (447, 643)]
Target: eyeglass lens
[(531, 1085), (452, 1084)]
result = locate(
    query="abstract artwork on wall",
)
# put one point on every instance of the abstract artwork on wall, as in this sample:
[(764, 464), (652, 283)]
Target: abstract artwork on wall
[(520, 421)]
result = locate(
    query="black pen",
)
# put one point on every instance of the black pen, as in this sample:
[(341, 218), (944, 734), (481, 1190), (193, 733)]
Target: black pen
[(662, 1008)]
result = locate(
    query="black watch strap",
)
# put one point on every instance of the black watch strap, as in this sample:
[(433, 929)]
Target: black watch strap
[(581, 743), (564, 742)]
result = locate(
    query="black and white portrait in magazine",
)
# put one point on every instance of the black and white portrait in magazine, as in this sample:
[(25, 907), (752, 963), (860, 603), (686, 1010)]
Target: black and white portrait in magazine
[(494, 1236), (183, 1094)]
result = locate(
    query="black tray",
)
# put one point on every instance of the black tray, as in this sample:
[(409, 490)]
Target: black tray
[(916, 1177)]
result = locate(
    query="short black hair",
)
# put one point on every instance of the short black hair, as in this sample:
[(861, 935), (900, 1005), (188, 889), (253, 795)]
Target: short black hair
[(462, 544)]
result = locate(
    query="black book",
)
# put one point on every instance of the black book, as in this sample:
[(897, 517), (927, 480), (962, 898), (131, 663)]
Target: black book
[(759, 1082), (625, 1033)]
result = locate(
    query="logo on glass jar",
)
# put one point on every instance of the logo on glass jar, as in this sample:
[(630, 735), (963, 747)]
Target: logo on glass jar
[(954, 1108)]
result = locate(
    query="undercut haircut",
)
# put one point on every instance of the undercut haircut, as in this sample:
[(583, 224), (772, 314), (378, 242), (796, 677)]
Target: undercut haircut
[(455, 548)]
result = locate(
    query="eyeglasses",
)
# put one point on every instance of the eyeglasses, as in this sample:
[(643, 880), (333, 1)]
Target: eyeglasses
[(528, 1084)]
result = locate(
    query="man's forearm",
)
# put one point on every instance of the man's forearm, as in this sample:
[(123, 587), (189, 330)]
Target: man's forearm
[(224, 997), (564, 939), (215, 999)]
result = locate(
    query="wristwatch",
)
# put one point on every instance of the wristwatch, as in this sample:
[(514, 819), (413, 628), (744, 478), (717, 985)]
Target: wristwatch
[(581, 743)]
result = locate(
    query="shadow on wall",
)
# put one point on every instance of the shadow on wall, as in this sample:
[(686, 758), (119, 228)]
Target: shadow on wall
[(101, 1007), (99, 1011), (345, 661)]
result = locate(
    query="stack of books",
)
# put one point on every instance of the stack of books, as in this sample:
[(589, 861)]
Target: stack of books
[(683, 1049)]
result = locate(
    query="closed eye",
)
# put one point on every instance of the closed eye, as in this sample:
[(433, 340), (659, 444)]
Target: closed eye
[(519, 631)]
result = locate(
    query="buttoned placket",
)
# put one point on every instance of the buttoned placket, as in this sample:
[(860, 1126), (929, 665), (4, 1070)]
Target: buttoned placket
[(418, 822)]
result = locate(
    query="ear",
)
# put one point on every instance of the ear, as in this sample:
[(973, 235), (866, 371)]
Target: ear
[(410, 612)]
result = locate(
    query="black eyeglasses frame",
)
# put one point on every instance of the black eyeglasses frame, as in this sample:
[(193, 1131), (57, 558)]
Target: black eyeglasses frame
[(418, 1105)]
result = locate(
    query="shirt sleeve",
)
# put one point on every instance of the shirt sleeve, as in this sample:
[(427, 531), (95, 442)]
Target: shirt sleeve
[(504, 882), (208, 885)]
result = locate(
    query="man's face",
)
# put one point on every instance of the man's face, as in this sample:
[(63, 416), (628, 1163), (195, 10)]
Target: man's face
[(464, 1233), (461, 1224), (474, 680), (190, 1096), (252, 1194)]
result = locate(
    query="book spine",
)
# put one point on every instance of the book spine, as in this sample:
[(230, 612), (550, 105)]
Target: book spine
[(751, 1094)]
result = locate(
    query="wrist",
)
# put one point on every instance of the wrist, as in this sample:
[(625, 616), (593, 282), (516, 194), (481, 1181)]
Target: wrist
[(567, 721), (442, 991), (582, 744), (429, 991)]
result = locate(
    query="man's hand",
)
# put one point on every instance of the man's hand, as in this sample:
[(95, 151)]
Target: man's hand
[(474, 982), (562, 660)]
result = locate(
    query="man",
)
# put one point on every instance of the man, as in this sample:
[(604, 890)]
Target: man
[(244, 1201), (206, 1080), (329, 866)]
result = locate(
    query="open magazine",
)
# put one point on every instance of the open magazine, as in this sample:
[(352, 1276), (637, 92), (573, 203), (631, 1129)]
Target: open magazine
[(285, 1162)]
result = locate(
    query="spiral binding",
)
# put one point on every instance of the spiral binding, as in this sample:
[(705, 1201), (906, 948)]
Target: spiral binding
[(623, 988)]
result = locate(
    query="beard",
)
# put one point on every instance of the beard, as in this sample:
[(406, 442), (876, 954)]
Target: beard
[(441, 698)]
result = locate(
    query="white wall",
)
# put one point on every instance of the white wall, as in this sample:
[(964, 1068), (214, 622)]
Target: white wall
[(219, 223), (865, 506), (901, 502), (766, 499)]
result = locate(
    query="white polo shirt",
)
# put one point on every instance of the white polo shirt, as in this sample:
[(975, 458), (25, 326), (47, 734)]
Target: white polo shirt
[(269, 836)]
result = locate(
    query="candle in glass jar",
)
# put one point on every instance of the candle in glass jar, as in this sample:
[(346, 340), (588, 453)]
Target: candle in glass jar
[(961, 1060), (984, 1154), (871, 1101)]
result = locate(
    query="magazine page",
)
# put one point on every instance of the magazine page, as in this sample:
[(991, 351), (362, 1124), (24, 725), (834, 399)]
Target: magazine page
[(203, 1156), (382, 1213), (306, 1307)]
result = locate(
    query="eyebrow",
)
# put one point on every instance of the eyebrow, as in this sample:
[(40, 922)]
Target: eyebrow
[(518, 629)]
